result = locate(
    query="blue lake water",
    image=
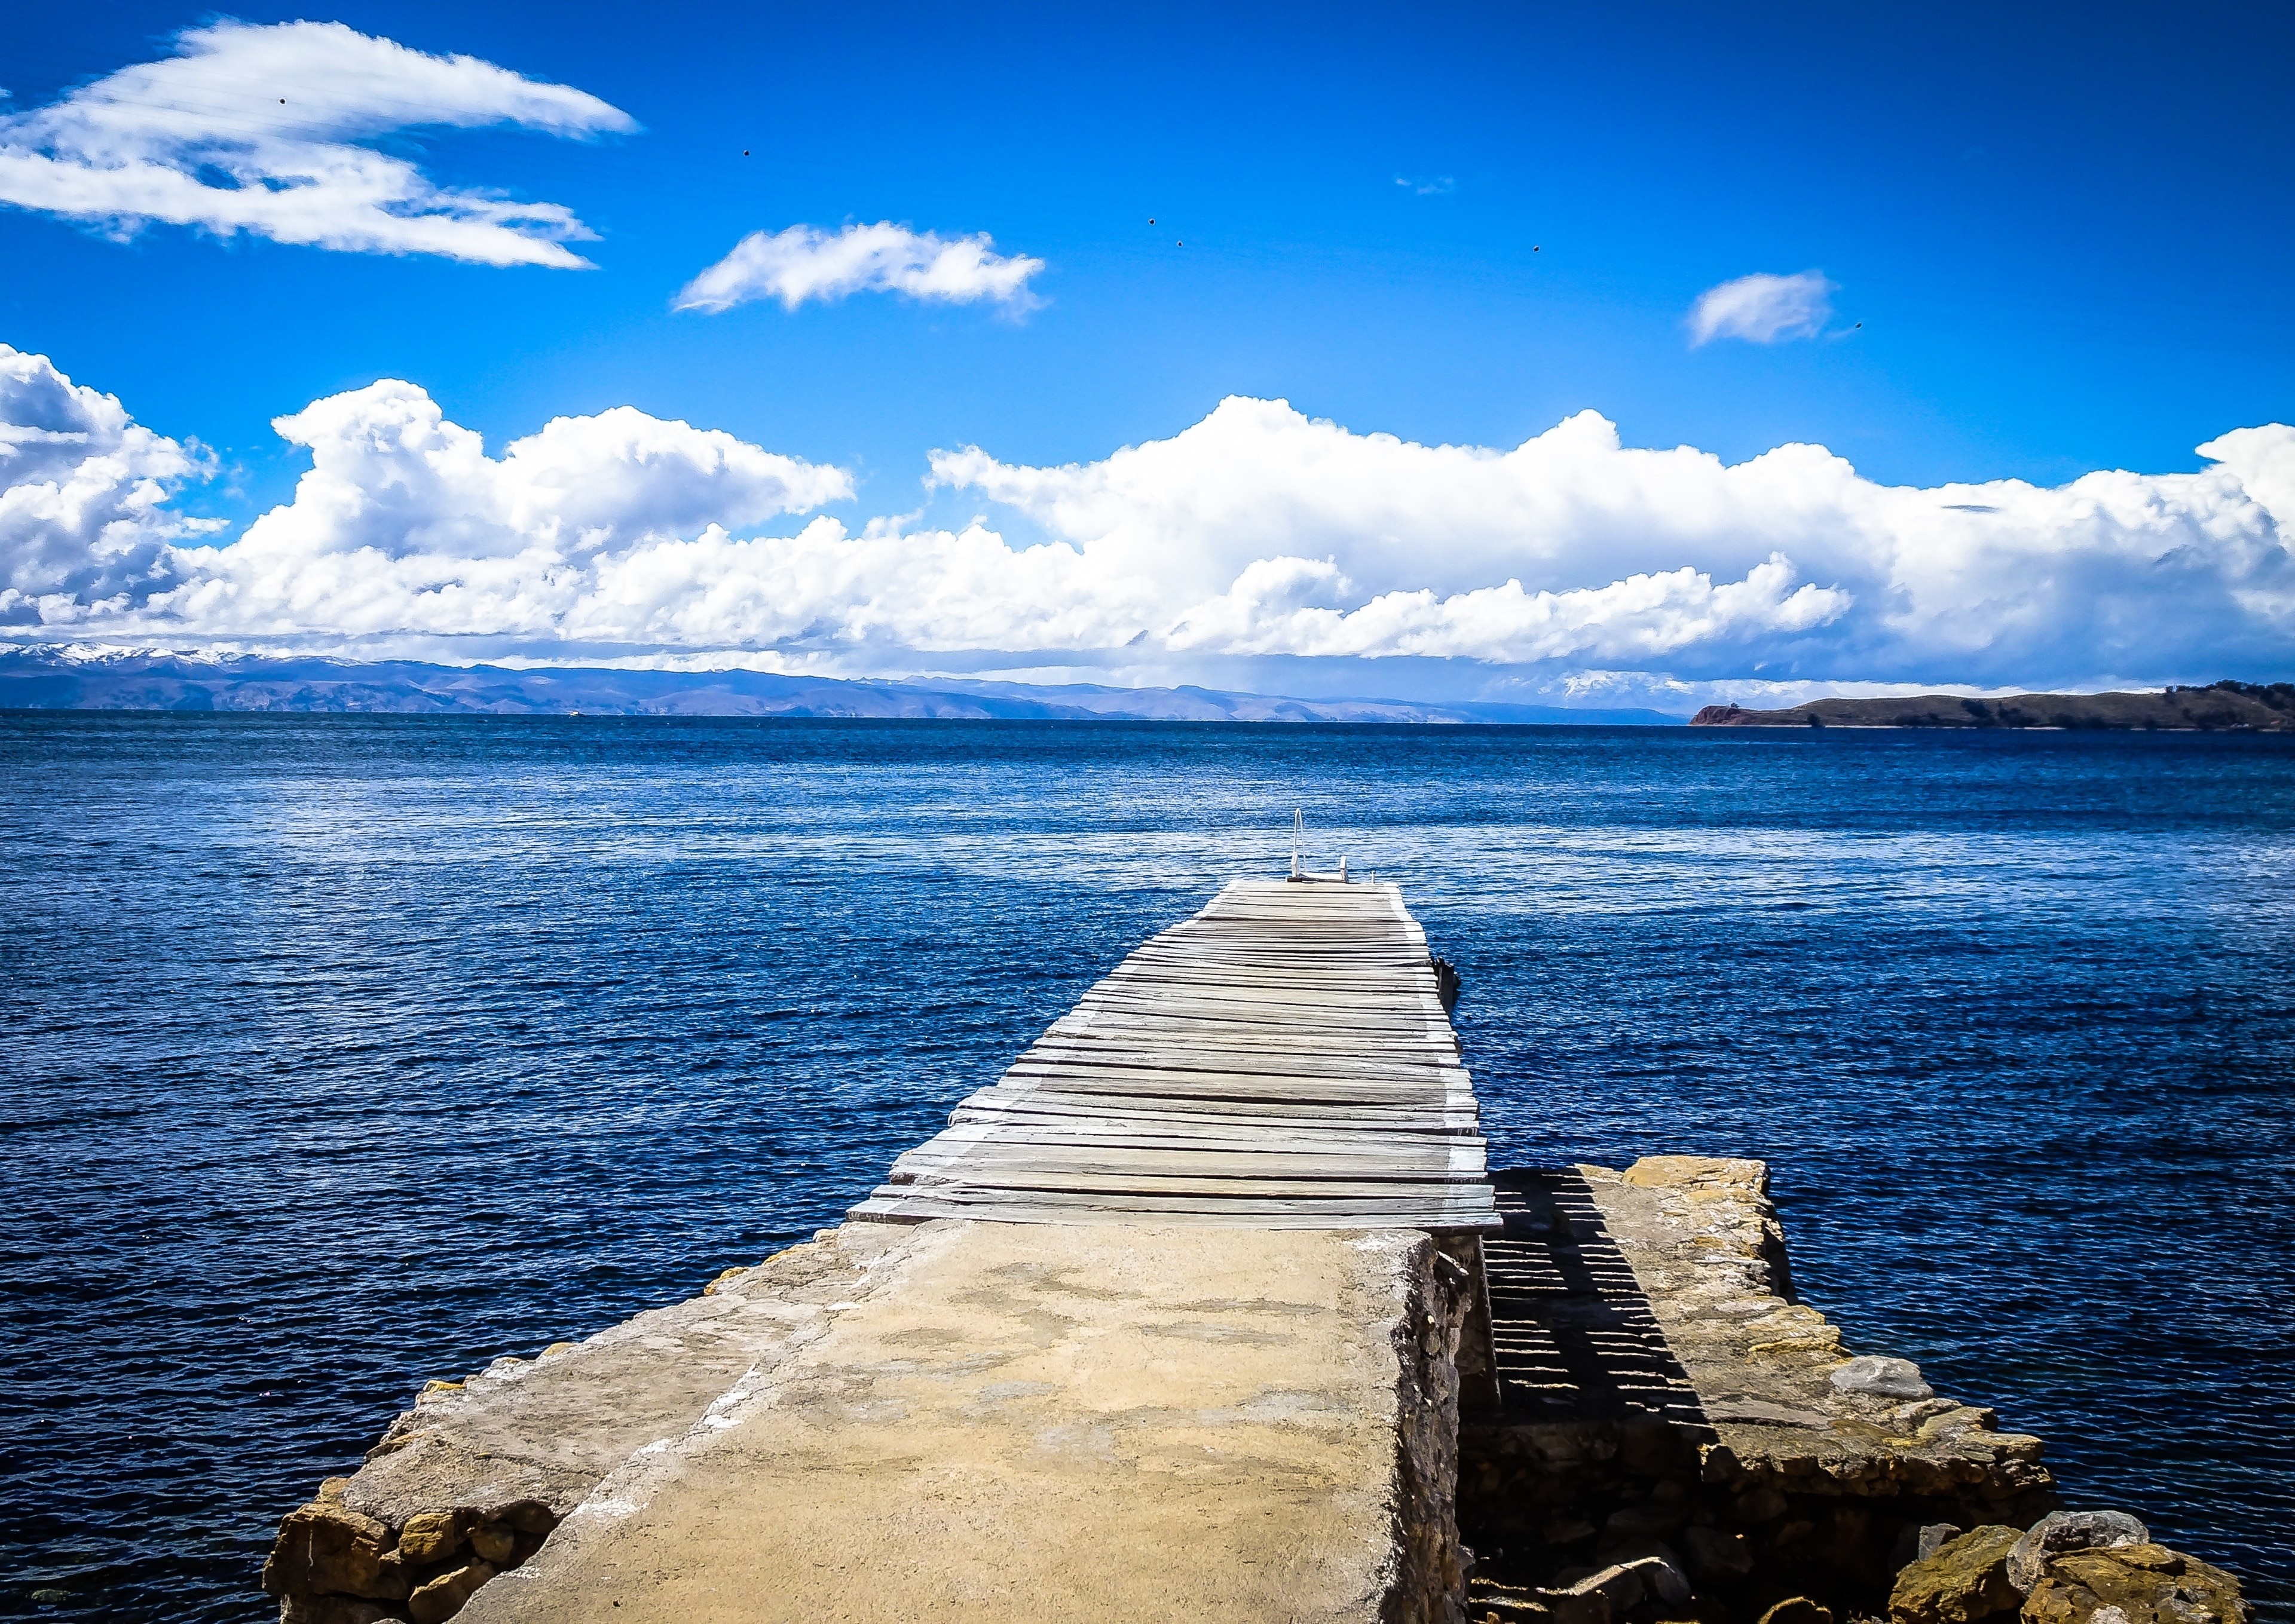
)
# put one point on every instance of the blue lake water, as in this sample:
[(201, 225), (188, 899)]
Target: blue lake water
[(342, 1053)]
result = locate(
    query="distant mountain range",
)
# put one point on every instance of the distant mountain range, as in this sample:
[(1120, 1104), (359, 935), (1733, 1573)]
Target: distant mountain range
[(54, 679), (2246, 707)]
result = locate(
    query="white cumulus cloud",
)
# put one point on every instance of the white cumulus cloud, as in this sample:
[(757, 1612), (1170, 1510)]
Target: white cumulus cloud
[(257, 129), (1256, 534), (2116, 572), (404, 524), (1762, 308), (85, 524), (390, 473), (805, 263)]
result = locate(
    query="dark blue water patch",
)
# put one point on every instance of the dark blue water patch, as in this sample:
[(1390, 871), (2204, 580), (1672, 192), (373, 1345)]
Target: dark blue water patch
[(342, 1053)]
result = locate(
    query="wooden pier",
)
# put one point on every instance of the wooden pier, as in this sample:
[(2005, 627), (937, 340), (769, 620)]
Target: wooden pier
[(1173, 1322), (1280, 1060)]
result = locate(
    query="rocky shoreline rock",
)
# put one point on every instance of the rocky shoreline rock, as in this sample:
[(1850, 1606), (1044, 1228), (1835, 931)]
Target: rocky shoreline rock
[(2069, 1568)]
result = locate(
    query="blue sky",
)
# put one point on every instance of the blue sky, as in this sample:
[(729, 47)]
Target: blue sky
[(2066, 234)]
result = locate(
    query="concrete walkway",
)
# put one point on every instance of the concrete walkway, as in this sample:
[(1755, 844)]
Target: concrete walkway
[(1006, 1421)]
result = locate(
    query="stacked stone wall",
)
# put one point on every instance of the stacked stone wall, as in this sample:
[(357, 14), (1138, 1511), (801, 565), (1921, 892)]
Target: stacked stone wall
[(1430, 1582), (1806, 1485)]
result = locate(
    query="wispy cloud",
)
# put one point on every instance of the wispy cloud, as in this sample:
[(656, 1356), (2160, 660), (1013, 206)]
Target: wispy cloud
[(1763, 309), (806, 263), (254, 129), (1427, 186)]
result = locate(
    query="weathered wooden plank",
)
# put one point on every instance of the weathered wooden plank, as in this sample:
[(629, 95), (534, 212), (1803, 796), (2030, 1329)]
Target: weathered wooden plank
[(1278, 1072), (1391, 1093), (1294, 1020), (1221, 1118), (1178, 1046), (918, 1211), (1429, 1107), (1144, 1184), (1250, 1093), (1337, 1027), (997, 1163), (1061, 1195), (1030, 1206), (1211, 1088), (1168, 1070), (1187, 1055), (1194, 1128), (964, 1140), (1306, 1127)]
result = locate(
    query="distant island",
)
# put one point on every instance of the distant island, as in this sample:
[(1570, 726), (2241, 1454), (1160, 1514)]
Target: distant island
[(2220, 707)]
